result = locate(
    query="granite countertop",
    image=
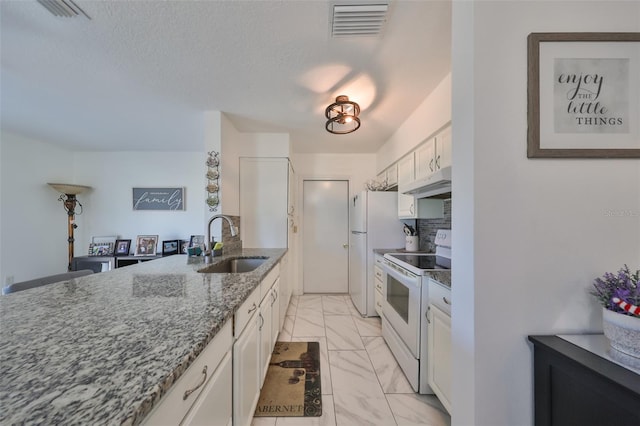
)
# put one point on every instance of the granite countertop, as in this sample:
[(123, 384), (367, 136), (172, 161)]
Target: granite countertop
[(103, 349)]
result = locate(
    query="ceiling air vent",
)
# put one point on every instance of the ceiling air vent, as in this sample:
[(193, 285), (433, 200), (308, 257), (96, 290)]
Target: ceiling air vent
[(64, 8), (358, 20)]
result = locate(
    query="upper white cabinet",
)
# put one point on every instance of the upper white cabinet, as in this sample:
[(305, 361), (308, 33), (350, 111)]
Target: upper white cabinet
[(406, 174), (434, 154), (408, 206)]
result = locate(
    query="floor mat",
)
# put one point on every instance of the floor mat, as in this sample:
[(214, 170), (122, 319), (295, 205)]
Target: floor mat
[(292, 385)]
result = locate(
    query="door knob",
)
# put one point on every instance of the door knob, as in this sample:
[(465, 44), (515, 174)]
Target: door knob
[(345, 246)]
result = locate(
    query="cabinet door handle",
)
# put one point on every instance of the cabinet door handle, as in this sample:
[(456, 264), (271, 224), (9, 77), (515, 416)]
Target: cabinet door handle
[(426, 315), (262, 321), (411, 209), (431, 165), (252, 308), (274, 297), (444, 299), (438, 162), (192, 390)]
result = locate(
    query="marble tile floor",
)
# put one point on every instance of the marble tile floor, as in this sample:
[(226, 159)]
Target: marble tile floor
[(362, 384)]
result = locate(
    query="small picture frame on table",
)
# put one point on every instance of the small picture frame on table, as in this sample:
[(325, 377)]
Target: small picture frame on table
[(170, 247), (100, 249), (122, 247), (197, 241), (184, 245), (146, 245)]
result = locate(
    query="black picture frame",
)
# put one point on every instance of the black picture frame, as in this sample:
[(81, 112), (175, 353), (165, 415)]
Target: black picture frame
[(170, 247), (122, 248)]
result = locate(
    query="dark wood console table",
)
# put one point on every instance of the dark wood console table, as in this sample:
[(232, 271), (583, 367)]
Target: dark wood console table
[(580, 380)]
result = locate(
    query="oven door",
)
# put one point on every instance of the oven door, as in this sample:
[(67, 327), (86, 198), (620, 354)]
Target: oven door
[(401, 304)]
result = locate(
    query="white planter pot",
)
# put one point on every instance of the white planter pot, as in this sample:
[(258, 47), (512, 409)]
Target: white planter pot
[(623, 332)]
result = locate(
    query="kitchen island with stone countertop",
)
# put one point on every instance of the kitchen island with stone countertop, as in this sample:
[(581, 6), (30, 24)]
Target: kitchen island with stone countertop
[(104, 348)]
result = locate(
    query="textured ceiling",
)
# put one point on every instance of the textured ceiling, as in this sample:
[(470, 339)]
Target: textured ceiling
[(140, 74)]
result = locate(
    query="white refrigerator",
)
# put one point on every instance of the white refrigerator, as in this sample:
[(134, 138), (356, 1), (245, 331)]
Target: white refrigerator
[(374, 224)]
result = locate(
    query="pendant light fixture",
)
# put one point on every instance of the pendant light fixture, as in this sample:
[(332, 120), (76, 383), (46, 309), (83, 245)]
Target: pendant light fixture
[(342, 116)]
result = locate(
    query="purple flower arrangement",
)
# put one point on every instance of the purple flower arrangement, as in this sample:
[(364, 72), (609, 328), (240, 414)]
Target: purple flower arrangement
[(623, 285)]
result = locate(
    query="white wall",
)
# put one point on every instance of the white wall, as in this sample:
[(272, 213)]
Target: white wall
[(529, 235), (358, 168), (430, 116), (112, 175), (33, 222)]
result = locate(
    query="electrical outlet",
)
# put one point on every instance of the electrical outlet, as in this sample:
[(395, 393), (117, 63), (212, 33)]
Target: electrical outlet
[(9, 280)]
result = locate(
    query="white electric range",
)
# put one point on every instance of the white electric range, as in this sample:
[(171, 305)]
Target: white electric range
[(404, 307)]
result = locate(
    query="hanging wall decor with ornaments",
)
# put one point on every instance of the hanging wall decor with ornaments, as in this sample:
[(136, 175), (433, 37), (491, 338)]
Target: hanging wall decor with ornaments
[(213, 162)]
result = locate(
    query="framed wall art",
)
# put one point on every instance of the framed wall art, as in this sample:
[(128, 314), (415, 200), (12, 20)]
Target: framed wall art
[(583, 95), (158, 198), (146, 245)]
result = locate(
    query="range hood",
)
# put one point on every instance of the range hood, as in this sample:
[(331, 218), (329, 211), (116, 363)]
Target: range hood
[(437, 184)]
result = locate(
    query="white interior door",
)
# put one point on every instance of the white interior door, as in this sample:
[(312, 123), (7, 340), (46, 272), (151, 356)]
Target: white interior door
[(325, 250)]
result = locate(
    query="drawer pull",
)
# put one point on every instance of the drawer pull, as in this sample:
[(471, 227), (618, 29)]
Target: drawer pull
[(190, 391), (444, 299), (253, 308), (426, 315)]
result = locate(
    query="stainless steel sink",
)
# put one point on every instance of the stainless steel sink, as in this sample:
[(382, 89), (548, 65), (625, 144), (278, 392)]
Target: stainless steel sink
[(234, 266)]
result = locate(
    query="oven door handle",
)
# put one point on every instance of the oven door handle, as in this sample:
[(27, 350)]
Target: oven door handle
[(404, 277)]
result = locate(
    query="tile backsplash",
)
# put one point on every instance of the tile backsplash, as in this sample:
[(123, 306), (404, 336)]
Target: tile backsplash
[(427, 228)]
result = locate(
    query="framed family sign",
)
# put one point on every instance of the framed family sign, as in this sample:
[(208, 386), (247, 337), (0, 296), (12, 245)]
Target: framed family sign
[(583, 95)]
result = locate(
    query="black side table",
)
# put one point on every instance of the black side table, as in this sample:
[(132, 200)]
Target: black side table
[(582, 383)]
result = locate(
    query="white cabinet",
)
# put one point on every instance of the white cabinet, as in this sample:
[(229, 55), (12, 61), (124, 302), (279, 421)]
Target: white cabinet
[(214, 407), (389, 176), (204, 389), (264, 328), (434, 154), (246, 373), (439, 342), (378, 278), (275, 313), (257, 326), (406, 174), (269, 320), (284, 292), (392, 175), (408, 206)]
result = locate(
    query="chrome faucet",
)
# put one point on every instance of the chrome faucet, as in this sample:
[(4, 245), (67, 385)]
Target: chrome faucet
[(234, 230)]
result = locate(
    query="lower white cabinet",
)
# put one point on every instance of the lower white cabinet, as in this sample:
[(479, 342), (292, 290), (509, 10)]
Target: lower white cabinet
[(214, 407), (439, 342), (222, 385), (275, 313), (206, 381), (378, 277), (246, 373), (266, 317), (254, 345)]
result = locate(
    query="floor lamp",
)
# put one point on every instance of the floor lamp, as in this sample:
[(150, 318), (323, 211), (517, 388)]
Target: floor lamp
[(69, 202)]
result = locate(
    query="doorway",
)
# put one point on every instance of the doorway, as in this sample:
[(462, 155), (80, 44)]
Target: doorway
[(325, 245)]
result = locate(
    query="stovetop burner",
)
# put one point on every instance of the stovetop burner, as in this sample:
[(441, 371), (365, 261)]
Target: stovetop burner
[(420, 261)]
